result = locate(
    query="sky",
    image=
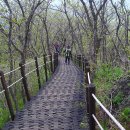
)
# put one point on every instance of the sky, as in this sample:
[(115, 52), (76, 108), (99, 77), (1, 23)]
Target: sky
[(57, 2)]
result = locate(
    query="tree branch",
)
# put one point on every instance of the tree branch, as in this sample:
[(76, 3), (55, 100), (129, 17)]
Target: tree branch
[(21, 7), (87, 13), (100, 8)]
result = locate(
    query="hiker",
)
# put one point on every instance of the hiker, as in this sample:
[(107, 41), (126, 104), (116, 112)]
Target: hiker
[(56, 46), (67, 54)]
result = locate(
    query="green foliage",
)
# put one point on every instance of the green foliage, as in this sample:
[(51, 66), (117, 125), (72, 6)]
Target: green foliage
[(125, 115), (127, 49), (18, 21), (3, 10), (128, 72), (104, 124), (128, 84), (118, 98), (4, 116), (33, 84), (106, 74), (83, 125)]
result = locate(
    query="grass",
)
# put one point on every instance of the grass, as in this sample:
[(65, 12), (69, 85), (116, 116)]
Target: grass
[(125, 115), (4, 116), (105, 76), (118, 98)]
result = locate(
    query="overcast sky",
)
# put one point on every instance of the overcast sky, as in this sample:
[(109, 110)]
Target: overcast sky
[(57, 2)]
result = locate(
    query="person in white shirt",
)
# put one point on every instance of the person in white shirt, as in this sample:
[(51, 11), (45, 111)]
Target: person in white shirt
[(67, 55)]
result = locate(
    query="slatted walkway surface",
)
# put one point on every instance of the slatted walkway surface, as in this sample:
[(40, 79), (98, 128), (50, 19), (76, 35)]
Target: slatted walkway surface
[(58, 106)]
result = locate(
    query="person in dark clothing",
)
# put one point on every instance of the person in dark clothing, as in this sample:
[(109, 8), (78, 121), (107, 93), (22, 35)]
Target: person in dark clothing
[(67, 55), (57, 48)]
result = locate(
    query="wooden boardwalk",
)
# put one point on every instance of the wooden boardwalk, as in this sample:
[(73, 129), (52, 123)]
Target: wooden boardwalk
[(58, 106)]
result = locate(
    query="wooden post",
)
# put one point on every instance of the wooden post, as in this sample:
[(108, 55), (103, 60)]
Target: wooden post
[(79, 58), (55, 60), (4, 84), (51, 63), (71, 57), (87, 99), (87, 69), (45, 67), (83, 63), (37, 71), (24, 80), (75, 58), (91, 89)]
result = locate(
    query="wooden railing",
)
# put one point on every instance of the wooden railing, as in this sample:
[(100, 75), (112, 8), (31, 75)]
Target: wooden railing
[(50, 64), (91, 98)]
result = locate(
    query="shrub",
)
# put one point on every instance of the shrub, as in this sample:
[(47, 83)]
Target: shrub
[(125, 115), (118, 98), (106, 75)]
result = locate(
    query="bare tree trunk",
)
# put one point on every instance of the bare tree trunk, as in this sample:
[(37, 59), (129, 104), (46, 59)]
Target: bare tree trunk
[(11, 54), (47, 35), (126, 29), (70, 24)]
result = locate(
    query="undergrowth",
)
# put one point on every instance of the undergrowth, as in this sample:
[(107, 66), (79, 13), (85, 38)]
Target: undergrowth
[(105, 76)]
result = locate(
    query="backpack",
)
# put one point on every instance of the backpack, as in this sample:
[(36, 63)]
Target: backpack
[(68, 52)]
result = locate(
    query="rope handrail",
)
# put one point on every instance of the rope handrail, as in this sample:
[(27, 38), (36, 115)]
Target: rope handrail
[(53, 60), (32, 61), (15, 82), (2, 91), (97, 122), (47, 56), (91, 98), (48, 62), (25, 65), (11, 71), (30, 72), (41, 66), (108, 113), (11, 85), (20, 67), (26, 74), (39, 58), (89, 78)]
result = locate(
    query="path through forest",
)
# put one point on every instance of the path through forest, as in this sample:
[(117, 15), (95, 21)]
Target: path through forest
[(59, 106)]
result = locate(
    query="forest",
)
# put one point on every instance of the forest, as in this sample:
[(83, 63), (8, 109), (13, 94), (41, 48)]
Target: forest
[(96, 29)]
